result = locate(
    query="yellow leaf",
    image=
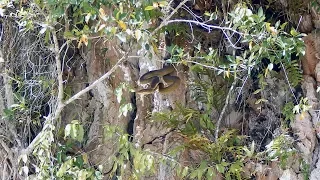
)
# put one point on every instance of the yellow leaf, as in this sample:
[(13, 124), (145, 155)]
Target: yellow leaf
[(228, 73), (83, 39), (122, 25), (250, 45), (268, 26), (79, 44), (85, 158), (102, 13), (266, 72), (302, 115), (184, 62)]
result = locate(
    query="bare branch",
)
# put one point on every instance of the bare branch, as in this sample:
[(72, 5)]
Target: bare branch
[(59, 72), (165, 21), (7, 149), (223, 110), (209, 27), (61, 104), (212, 67), (291, 89)]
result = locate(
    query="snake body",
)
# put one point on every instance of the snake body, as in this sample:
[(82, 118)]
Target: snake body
[(158, 79)]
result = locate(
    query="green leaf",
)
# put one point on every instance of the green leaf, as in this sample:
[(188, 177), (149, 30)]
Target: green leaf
[(64, 167), (236, 167), (74, 2), (194, 174), (74, 130), (202, 123), (257, 91), (149, 8), (68, 34), (220, 168), (200, 173), (178, 170), (261, 100), (283, 25), (118, 93), (58, 12), (225, 164), (80, 133), (185, 172), (293, 32), (260, 12), (207, 14), (210, 173), (124, 109)]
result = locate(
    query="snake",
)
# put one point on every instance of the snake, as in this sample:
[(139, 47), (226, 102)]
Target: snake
[(159, 79)]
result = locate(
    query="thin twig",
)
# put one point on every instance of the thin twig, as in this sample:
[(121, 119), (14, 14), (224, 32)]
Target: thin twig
[(223, 110), (50, 119), (211, 67), (165, 21), (285, 73), (60, 103), (209, 27), (245, 81)]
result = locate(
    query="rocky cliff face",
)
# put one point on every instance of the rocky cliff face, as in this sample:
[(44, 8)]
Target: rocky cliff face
[(101, 106)]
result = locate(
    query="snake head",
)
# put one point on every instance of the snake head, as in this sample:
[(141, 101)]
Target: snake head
[(153, 86)]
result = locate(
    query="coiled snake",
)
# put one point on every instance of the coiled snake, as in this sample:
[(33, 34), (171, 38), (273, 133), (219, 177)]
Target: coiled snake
[(159, 79)]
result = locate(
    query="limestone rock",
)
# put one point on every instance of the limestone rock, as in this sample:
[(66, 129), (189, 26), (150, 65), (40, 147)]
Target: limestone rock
[(289, 174), (302, 127)]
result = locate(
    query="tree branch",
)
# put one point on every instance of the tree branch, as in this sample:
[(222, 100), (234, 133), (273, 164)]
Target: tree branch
[(165, 21), (62, 104), (224, 110), (209, 28), (105, 76), (287, 79), (60, 79)]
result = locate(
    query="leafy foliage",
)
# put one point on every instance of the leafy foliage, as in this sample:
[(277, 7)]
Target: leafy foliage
[(293, 72), (142, 161), (186, 120), (281, 148), (288, 111), (262, 47)]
